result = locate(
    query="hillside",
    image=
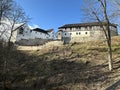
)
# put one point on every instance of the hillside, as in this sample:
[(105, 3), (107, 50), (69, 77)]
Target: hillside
[(78, 66)]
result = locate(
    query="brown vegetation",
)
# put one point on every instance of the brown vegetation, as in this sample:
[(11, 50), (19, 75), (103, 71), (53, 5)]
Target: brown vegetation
[(78, 66)]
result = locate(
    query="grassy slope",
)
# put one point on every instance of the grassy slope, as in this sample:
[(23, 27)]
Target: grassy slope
[(80, 66)]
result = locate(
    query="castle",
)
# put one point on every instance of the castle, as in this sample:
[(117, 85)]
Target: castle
[(82, 32), (68, 33)]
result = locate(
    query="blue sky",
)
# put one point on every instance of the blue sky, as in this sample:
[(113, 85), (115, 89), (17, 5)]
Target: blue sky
[(49, 14)]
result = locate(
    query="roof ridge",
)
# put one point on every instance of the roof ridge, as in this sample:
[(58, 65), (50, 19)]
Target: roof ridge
[(84, 24)]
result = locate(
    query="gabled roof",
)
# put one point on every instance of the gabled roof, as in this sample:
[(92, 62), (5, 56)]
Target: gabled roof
[(17, 26), (40, 30), (7, 24), (84, 25), (49, 30)]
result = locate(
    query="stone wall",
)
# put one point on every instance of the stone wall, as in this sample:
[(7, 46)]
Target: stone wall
[(49, 44), (32, 42), (84, 34), (94, 35)]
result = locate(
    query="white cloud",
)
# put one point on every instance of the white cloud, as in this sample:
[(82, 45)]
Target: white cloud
[(34, 26)]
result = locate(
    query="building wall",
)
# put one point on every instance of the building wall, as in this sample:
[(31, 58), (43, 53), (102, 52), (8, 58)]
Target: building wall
[(29, 34), (59, 35), (14, 36), (114, 31), (76, 34), (47, 45), (82, 34), (51, 35)]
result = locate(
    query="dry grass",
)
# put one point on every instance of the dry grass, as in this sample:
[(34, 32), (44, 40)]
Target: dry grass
[(78, 66)]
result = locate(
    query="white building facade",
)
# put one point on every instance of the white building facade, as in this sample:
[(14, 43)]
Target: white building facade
[(27, 33), (84, 32), (6, 28), (23, 31), (36, 36)]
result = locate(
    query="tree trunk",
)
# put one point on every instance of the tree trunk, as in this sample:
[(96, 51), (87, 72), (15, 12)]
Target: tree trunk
[(4, 73), (110, 62), (109, 35), (110, 58), (109, 46)]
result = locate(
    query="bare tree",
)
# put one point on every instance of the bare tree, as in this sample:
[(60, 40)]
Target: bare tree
[(17, 16), (5, 7), (99, 10), (10, 15), (117, 2)]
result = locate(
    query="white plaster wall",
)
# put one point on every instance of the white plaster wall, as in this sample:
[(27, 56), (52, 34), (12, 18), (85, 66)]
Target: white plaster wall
[(51, 35), (93, 33), (35, 34), (76, 34), (14, 37)]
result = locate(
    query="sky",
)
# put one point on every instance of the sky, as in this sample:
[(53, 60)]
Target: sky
[(51, 14)]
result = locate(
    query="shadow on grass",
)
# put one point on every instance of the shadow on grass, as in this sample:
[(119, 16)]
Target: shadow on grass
[(28, 72), (99, 49), (114, 86)]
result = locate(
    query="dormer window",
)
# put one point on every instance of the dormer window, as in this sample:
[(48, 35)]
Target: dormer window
[(21, 30), (30, 31)]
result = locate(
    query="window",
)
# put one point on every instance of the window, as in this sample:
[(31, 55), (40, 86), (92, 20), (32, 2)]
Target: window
[(85, 32), (30, 31), (90, 27), (76, 33), (21, 30), (58, 33), (79, 33), (85, 28)]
